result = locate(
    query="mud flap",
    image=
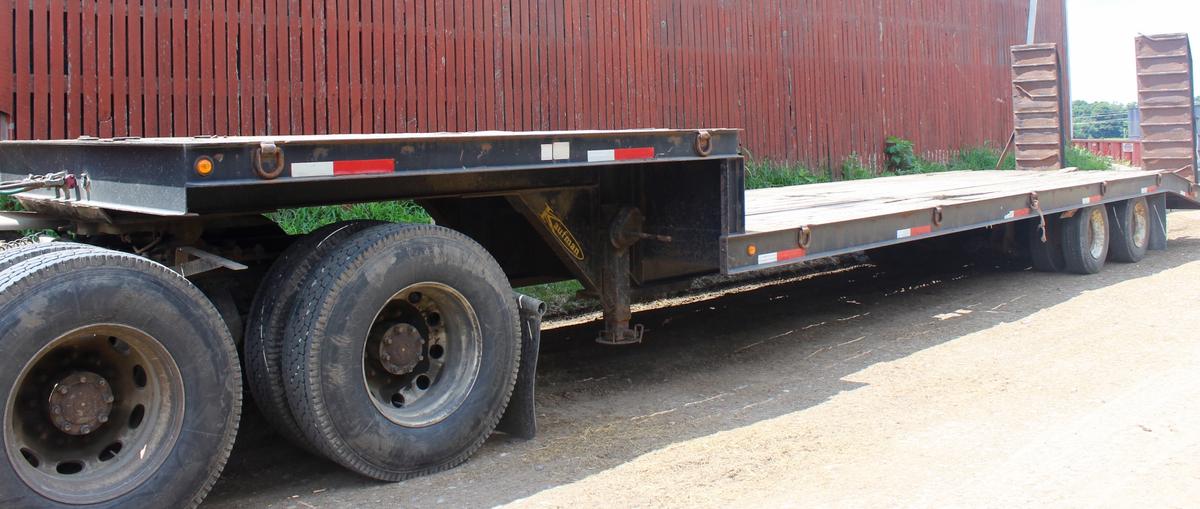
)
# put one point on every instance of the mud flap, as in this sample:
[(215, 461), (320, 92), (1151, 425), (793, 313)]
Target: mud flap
[(1158, 221), (520, 418)]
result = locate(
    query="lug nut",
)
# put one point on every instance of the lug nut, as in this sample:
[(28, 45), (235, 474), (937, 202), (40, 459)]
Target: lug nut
[(387, 341), (385, 357), (56, 410), (108, 398), (414, 297), (103, 418), (86, 429)]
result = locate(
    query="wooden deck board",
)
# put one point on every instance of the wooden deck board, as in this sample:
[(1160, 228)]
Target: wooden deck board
[(792, 207)]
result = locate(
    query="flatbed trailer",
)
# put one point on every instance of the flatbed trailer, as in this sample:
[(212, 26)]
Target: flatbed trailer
[(395, 350)]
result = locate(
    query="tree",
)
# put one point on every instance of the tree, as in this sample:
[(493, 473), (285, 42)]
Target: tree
[(1101, 119)]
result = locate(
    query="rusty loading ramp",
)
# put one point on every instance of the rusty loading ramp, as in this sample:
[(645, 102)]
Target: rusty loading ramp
[(793, 224)]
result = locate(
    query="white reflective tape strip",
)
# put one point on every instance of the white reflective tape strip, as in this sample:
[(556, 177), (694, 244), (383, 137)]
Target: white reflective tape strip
[(768, 258), (1011, 214), (904, 234), (557, 151), (322, 169), (562, 150), (602, 155)]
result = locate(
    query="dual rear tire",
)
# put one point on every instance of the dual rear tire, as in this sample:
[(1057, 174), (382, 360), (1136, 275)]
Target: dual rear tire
[(1083, 242), (397, 352)]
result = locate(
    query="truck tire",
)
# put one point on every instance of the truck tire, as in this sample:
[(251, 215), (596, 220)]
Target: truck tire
[(1129, 228), (122, 387), (403, 351), (1047, 256), (10, 257), (269, 312), (1085, 240)]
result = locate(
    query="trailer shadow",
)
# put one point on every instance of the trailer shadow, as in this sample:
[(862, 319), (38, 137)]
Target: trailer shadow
[(707, 366)]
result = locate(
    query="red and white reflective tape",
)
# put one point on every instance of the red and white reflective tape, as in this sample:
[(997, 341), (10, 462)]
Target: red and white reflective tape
[(620, 154), (913, 232), (1092, 199), (779, 256), (347, 167), (1148, 190), (1013, 214)]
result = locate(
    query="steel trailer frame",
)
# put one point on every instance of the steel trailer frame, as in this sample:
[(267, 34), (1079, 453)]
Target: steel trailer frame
[(621, 211)]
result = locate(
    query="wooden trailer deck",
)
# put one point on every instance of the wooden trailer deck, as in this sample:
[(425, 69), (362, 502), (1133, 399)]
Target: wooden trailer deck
[(791, 224)]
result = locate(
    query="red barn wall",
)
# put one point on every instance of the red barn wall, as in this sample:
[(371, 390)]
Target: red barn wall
[(809, 81)]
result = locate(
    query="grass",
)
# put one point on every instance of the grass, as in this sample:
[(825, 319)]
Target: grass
[(304, 220), (560, 297), (763, 174), (1085, 160), (9, 204)]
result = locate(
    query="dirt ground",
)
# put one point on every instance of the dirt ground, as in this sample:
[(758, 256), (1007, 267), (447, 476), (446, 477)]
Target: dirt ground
[(948, 386)]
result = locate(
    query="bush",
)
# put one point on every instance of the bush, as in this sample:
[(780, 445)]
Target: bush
[(901, 159)]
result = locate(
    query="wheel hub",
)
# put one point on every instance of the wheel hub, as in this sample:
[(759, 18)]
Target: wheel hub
[(80, 403), (401, 348)]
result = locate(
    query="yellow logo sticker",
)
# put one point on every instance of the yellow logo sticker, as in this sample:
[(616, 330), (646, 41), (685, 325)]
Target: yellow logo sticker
[(559, 229)]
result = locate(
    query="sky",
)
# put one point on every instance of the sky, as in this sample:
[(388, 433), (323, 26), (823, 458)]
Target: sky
[(1100, 41)]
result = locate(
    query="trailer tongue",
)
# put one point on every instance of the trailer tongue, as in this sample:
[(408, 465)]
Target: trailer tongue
[(395, 350)]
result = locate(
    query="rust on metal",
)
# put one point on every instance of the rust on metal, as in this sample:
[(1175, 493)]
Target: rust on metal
[(1165, 92), (400, 349), (80, 403), (1037, 96)]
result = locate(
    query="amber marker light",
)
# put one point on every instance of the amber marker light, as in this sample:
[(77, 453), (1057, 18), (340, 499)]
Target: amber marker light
[(751, 250), (204, 166)]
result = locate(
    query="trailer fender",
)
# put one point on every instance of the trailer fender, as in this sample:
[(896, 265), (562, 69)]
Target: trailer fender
[(1158, 221), (520, 416)]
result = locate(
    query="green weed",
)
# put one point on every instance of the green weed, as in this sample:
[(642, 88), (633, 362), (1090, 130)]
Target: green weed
[(1083, 159), (304, 220), (763, 174)]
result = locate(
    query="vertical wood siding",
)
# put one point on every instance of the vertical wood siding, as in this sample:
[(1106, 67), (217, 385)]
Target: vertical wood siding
[(809, 80)]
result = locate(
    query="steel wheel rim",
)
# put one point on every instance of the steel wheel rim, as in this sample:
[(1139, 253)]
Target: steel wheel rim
[(420, 382), (1141, 224), (59, 459), (1097, 233)]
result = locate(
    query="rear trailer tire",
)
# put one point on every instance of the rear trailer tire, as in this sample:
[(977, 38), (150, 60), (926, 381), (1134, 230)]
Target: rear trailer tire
[(121, 384), (1047, 256), (13, 256), (1129, 229), (404, 352), (269, 312), (1086, 239)]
